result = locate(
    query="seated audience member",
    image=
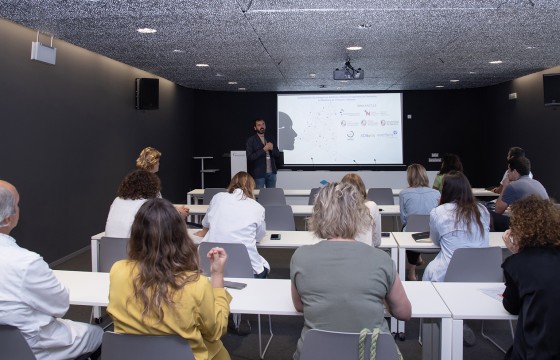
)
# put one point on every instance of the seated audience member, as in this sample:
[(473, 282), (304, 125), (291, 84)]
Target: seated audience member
[(530, 274), (372, 236), (341, 284), (417, 199), (135, 189), (458, 222), (513, 152), (517, 186), (234, 216), (160, 290), (450, 162), (31, 297)]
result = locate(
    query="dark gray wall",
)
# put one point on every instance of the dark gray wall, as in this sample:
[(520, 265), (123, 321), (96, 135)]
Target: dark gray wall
[(70, 132)]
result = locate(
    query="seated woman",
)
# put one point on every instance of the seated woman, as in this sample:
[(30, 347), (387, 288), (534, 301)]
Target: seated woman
[(234, 216), (458, 222), (160, 290), (341, 271), (417, 199), (372, 235), (530, 274), (135, 189), (450, 162)]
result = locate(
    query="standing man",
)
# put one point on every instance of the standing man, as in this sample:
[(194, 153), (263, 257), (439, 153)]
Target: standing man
[(33, 300), (261, 155)]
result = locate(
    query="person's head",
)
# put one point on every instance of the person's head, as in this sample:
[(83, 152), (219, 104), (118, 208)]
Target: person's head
[(148, 160), (457, 189), (356, 180), (139, 184), (242, 180), (165, 256), (9, 207), (535, 223), (339, 212), (286, 134), (450, 162), (514, 152), (518, 166), (260, 126), (417, 176)]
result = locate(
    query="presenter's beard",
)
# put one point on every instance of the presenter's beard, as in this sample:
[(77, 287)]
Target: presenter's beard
[(261, 131)]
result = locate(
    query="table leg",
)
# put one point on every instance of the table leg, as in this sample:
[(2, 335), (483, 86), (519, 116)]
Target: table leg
[(95, 268), (457, 340), (446, 338)]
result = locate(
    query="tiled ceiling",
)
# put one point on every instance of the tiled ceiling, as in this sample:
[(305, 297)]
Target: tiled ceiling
[(274, 45)]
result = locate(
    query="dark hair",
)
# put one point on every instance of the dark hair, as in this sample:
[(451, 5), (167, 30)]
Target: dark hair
[(456, 188), (535, 223), (450, 162), (165, 256), (258, 119), (516, 152), (521, 164), (139, 184)]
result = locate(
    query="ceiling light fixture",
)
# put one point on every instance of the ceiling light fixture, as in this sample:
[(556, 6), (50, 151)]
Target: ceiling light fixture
[(202, 65), (453, 81), (242, 89), (146, 31), (495, 62), (354, 48), (178, 51), (364, 26), (312, 75), (439, 86), (218, 74), (472, 72), (232, 82)]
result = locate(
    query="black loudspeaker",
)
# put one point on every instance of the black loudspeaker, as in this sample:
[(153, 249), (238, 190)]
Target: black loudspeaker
[(147, 94), (551, 89)]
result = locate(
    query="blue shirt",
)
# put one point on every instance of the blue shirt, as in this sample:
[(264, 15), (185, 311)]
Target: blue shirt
[(521, 188), (417, 200)]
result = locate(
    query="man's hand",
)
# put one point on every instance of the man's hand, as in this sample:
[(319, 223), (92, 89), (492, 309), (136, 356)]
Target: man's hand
[(268, 146)]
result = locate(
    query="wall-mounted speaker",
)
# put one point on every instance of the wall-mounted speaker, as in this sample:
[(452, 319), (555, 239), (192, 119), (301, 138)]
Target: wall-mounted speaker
[(551, 89), (147, 94)]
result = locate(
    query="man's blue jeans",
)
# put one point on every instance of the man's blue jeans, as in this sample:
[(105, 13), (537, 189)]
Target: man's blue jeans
[(269, 180)]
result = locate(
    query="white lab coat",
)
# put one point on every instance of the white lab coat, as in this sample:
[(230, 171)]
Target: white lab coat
[(121, 216), (372, 236)]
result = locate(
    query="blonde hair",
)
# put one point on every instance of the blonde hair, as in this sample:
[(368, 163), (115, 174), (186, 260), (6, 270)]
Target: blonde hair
[(148, 158), (339, 212), (356, 180), (242, 180), (417, 176)]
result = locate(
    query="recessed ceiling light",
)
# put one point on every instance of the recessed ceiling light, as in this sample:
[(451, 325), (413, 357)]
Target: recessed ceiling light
[(529, 47), (218, 74), (439, 86), (472, 72), (354, 48), (178, 51), (343, 81), (453, 80), (312, 75), (202, 65), (242, 89), (496, 62), (232, 82), (146, 31), (364, 26)]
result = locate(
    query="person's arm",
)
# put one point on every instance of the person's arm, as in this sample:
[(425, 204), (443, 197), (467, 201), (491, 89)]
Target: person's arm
[(502, 201), (510, 242), (498, 189), (218, 258), (183, 210), (511, 300), (254, 150), (434, 233), (274, 152), (296, 299), (403, 209), (42, 290), (202, 233), (397, 301), (261, 228)]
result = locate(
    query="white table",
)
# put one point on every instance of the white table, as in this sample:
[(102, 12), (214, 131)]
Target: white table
[(301, 210), (265, 296), (466, 301)]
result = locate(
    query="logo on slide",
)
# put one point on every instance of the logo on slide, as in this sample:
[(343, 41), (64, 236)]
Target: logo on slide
[(382, 122), (367, 113), (350, 134)]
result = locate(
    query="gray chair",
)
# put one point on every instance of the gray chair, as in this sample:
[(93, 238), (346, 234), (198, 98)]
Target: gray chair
[(238, 265), (279, 217), (312, 194), (381, 196), (477, 265), (271, 196), (13, 344), (332, 345), (209, 194), (111, 250), (418, 223), (145, 347)]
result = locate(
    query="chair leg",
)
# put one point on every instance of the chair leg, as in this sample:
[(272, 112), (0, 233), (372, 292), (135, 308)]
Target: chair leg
[(261, 351), (491, 340)]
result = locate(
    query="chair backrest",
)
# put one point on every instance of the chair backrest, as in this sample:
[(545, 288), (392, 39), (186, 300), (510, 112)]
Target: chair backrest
[(111, 250), (209, 194), (271, 196), (475, 265), (279, 217), (312, 195), (145, 347), (13, 344), (238, 262), (381, 196), (331, 345), (419, 223)]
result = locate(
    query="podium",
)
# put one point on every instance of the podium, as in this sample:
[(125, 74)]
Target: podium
[(202, 169)]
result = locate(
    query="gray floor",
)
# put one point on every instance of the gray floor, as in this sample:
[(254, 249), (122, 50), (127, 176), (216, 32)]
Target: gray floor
[(286, 329)]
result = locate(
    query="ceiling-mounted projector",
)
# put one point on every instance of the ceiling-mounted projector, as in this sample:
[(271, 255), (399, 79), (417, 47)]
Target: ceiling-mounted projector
[(348, 72)]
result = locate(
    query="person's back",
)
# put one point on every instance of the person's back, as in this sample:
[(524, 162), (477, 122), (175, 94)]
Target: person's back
[(121, 215), (522, 188), (418, 201)]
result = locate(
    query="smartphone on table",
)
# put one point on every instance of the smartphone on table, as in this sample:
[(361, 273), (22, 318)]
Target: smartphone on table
[(275, 236)]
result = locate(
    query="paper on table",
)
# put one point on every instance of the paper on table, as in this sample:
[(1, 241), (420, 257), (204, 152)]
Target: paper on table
[(496, 293)]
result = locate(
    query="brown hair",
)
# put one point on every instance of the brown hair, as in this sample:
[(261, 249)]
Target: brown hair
[(148, 158), (242, 180), (165, 256), (416, 176), (356, 180), (535, 223), (139, 184)]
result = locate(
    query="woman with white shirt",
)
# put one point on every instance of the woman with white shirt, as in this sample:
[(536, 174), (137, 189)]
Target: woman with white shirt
[(135, 189), (235, 217), (372, 235)]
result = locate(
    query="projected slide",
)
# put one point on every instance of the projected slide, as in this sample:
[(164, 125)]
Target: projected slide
[(340, 129)]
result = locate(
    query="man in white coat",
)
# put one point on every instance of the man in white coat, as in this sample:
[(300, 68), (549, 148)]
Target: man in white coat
[(31, 297)]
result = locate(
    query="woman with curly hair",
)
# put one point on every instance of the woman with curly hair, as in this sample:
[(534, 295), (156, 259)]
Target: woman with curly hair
[(531, 274), (159, 289), (135, 189), (148, 160)]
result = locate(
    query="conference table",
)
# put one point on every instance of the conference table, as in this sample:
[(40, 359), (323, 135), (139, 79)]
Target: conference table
[(300, 210), (269, 297)]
